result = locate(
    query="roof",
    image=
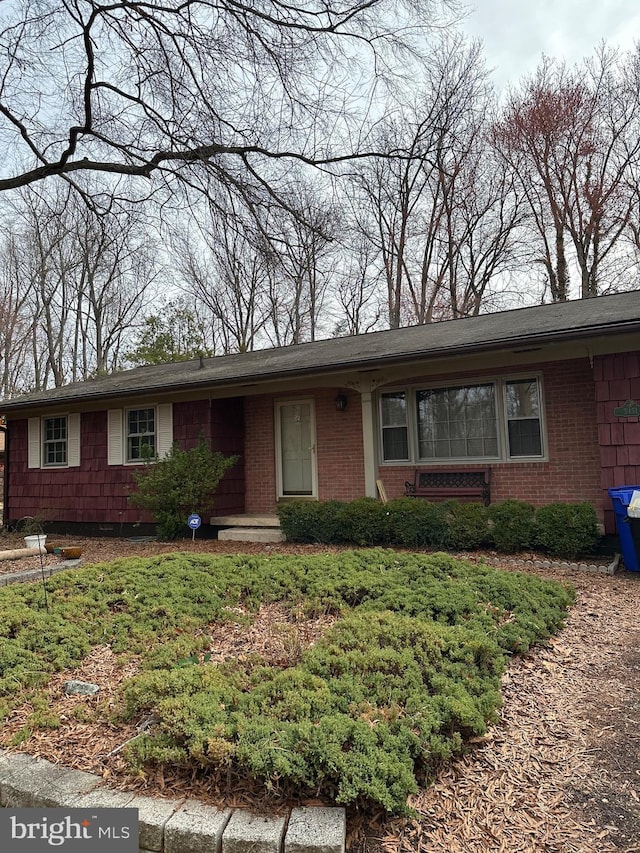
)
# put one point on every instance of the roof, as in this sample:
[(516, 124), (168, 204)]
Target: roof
[(563, 321)]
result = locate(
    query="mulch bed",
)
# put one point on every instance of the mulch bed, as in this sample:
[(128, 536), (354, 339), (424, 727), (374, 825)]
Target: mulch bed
[(559, 772)]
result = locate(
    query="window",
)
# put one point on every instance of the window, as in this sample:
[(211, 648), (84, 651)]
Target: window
[(141, 434), (488, 420), (457, 423), (54, 441), (523, 418), (133, 435), (395, 437)]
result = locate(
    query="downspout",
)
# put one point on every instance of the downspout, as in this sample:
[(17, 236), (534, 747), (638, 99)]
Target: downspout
[(5, 480)]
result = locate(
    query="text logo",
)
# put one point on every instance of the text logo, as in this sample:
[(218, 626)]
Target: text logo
[(36, 830)]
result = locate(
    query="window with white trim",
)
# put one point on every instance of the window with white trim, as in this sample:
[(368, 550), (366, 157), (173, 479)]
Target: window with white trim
[(137, 434), (54, 441), (493, 419), (141, 434)]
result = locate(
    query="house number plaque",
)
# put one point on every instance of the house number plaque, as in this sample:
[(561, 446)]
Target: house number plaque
[(630, 409)]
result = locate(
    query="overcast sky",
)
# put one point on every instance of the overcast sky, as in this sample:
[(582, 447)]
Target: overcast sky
[(517, 32)]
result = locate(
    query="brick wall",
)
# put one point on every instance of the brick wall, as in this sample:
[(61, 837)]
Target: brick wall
[(617, 379), (338, 447), (573, 470), (340, 450), (260, 465), (96, 492)]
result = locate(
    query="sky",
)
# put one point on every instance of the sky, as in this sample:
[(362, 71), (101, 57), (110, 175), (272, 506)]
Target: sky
[(516, 33)]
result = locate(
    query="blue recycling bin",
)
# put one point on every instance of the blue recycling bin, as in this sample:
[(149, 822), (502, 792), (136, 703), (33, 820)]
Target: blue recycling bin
[(621, 498)]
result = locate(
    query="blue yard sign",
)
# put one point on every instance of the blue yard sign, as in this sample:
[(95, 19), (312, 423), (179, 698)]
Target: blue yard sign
[(194, 521)]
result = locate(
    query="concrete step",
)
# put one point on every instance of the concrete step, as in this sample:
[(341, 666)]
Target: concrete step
[(258, 520), (251, 534)]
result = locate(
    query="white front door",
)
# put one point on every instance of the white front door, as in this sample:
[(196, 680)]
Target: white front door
[(296, 449)]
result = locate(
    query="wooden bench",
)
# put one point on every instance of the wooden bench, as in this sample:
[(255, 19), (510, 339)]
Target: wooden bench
[(444, 484)]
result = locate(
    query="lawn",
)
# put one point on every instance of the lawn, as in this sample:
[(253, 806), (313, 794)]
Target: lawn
[(405, 672)]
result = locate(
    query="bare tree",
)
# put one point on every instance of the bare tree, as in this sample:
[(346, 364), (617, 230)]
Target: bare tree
[(115, 270), (571, 137), (440, 216), (301, 251), (359, 308), (480, 229), (17, 323), (139, 89), (82, 281), (223, 266)]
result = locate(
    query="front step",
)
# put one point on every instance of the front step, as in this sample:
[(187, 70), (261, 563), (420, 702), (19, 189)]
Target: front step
[(245, 520), (251, 534)]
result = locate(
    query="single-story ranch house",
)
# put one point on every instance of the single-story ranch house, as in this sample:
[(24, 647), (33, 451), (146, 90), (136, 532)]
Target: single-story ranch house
[(546, 399)]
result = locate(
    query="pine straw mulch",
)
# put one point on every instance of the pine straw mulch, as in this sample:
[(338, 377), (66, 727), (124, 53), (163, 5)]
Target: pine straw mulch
[(95, 744), (559, 772), (100, 550)]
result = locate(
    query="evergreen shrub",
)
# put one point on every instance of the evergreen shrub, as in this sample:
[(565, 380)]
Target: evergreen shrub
[(408, 672), (512, 525), (179, 484), (313, 522), (467, 525), (365, 522), (414, 523), (561, 529), (567, 529)]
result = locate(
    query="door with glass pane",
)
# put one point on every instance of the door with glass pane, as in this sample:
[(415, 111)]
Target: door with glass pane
[(296, 449)]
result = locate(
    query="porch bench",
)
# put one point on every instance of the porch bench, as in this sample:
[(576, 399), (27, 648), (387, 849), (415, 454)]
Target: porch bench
[(444, 484)]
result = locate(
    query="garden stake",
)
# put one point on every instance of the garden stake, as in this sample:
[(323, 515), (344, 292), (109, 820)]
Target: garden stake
[(44, 585)]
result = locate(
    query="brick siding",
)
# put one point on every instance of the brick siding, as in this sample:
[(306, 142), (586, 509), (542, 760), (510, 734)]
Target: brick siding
[(338, 448), (572, 472)]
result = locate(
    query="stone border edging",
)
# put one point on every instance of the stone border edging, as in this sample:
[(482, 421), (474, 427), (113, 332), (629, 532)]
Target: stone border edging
[(36, 574), (172, 826), (609, 569)]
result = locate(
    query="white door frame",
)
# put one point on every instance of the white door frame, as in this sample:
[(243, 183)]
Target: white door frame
[(279, 406)]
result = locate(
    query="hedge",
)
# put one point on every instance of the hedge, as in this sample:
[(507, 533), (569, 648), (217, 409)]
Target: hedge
[(560, 529)]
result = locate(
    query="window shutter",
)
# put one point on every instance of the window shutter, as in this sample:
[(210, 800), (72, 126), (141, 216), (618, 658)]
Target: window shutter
[(73, 440), (114, 437), (165, 429), (34, 443)]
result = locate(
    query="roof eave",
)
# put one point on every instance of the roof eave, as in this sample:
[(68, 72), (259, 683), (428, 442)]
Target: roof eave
[(368, 363)]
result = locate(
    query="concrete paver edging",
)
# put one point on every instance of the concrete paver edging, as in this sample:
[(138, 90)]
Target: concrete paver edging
[(172, 826), (37, 574)]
